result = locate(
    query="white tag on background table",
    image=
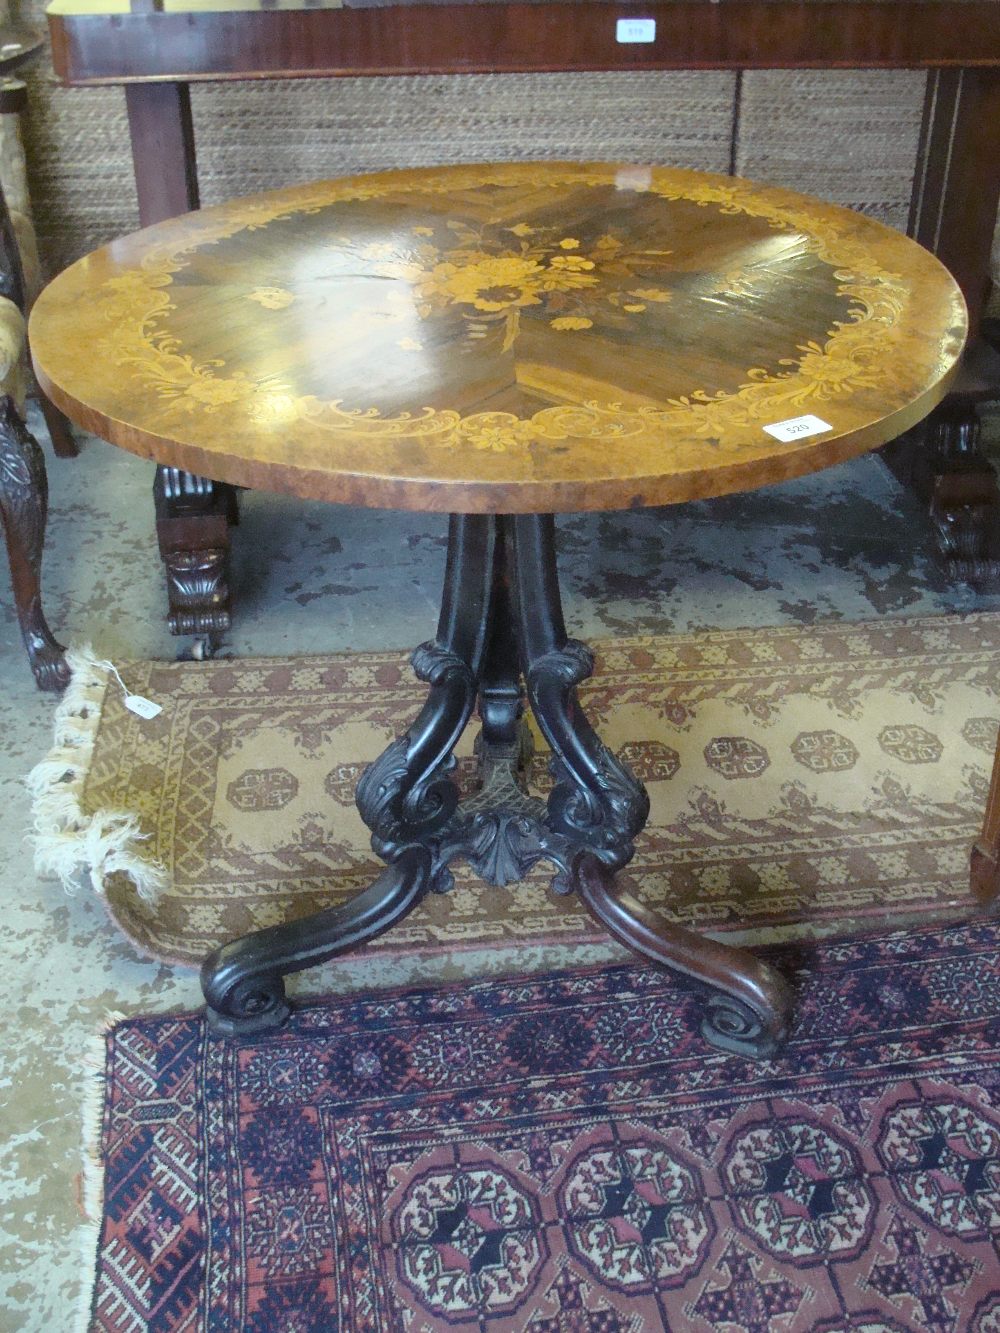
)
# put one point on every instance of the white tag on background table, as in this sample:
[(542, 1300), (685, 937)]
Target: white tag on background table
[(797, 428), (635, 30)]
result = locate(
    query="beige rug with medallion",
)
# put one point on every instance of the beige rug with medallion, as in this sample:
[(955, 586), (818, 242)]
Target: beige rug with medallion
[(804, 782)]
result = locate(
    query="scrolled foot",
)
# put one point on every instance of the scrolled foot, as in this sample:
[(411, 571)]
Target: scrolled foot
[(242, 981), (248, 1006), (756, 1030), (748, 1004)]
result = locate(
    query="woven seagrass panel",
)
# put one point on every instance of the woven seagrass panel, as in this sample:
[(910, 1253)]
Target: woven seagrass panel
[(849, 136), (255, 136)]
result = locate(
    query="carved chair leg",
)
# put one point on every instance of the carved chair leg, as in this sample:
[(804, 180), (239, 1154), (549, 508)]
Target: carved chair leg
[(242, 981), (23, 506), (193, 517), (748, 1005)]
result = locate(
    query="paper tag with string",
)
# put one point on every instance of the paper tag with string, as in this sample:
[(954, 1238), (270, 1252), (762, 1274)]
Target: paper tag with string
[(135, 703)]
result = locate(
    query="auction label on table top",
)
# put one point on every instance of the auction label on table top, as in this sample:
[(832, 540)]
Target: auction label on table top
[(797, 428)]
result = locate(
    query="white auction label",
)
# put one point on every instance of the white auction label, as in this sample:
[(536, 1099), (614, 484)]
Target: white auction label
[(135, 703), (636, 30), (798, 428)]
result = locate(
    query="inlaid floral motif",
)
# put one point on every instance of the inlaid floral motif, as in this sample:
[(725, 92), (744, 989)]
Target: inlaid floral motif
[(493, 273), (493, 277)]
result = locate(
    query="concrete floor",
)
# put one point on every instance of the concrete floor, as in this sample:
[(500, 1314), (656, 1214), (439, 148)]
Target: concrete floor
[(845, 544)]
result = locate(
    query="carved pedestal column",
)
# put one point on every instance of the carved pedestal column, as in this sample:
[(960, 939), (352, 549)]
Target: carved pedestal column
[(501, 621)]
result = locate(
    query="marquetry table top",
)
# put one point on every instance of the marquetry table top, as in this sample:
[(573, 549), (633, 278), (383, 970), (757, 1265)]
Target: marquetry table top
[(511, 338)]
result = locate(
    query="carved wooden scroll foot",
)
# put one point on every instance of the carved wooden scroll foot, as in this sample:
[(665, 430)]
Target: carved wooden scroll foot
[(193, 518), (243, 981), (748, 1006)]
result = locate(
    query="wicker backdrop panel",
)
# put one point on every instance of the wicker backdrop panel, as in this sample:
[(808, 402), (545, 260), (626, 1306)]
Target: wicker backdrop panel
[(255, 136), (847, 136)]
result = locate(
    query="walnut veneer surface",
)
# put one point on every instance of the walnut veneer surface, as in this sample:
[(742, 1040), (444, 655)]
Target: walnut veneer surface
[(515, 338)]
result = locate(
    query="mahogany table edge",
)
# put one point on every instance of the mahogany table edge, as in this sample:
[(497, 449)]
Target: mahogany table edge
[(470, 496)]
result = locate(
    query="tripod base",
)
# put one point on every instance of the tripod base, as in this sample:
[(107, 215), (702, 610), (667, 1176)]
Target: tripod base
[(501, 622)]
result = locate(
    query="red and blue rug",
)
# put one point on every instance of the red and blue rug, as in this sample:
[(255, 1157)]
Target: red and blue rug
[(563, 1152)]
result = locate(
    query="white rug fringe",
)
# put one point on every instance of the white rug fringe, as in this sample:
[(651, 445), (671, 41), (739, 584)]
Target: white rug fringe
[(68, 841)]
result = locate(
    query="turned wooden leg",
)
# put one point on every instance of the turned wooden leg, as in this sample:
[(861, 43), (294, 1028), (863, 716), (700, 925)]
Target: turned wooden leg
[(193, 518), (748, 1006), (985, 867), (63, 444), (23, 505)]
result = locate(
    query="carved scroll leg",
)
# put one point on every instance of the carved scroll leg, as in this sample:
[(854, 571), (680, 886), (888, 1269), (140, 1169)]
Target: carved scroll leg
[(749, 1006), (243, 981), (597, 802), (406, 797), (23, 505), (193, 517)]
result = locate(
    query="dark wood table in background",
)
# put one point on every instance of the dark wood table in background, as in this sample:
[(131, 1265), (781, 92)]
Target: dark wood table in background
[(502, 343), (157, 48)]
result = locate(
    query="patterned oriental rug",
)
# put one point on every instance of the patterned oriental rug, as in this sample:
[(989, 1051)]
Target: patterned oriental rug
[(563, 1153), (803, 782)]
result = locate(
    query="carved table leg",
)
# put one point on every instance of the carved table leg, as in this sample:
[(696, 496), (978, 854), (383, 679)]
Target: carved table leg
[(406, 797), (501, 618), (748, 1005), (965, 502), (193, 517), (23, 505), (599, 807), (942, 462), (242, 981), (63, 443)]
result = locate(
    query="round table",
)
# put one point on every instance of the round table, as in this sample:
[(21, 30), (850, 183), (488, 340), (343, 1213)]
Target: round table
[(502, 343)]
